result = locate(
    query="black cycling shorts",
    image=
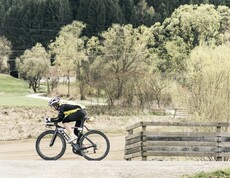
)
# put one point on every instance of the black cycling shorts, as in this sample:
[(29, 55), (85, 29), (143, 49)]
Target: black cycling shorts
[(77, 116)]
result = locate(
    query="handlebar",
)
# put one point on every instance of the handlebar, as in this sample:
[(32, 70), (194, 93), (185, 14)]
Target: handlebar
[(51, 124)]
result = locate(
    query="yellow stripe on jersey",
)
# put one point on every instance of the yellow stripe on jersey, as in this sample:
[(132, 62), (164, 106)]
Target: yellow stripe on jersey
[(71, 111)]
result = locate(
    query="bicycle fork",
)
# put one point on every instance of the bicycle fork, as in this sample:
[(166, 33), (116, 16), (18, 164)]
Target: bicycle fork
[(58, 130), (53, 138)]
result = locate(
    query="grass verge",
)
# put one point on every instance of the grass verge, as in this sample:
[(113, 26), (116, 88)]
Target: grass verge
[(216, 174)]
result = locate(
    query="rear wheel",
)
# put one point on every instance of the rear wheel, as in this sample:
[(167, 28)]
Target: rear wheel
[(94, 145), (50, 146)]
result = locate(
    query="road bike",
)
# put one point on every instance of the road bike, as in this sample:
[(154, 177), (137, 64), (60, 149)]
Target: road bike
[(92, 144)]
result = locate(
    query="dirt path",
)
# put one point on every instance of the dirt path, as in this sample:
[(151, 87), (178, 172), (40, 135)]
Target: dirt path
[(19, 159)]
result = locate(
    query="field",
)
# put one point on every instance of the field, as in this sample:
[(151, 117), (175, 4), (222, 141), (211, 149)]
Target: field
[(17, 100), (22, 120)]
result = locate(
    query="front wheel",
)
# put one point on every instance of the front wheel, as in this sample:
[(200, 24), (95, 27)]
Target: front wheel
[(50, 145), (94, 145)]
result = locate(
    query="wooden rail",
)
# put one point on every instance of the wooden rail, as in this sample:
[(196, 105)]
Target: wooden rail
[(141, 143)]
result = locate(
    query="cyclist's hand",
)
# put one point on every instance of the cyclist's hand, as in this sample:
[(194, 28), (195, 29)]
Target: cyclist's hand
[(47, 120)]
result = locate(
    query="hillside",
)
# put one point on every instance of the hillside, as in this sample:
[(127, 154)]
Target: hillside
[(13, 92), (11, 85)]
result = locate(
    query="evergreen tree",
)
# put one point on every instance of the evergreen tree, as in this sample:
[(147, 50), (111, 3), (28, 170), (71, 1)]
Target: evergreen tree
[(142, 14), (164, 8), (27, 22), (96, 17), (74, 7), (126, 7), (113, 12), (82, 12)]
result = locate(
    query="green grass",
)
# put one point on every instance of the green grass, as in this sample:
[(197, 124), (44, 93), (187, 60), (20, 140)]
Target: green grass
[(11, 85), (13, 92), (14, 100), (220, 173)]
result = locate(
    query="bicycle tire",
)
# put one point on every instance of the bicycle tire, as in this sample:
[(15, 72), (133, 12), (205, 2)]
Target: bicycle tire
[(90, 152), (42, 145)]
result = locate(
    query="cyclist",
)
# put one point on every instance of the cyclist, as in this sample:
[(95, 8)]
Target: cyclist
[(68, 113)]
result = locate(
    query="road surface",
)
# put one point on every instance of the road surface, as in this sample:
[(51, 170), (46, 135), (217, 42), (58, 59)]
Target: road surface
[(19, 159)]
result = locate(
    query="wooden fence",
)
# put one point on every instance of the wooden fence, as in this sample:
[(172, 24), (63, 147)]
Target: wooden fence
[(212, 141)]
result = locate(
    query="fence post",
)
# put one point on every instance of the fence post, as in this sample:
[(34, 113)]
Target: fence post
[(218, 130), (143, 132), (130, 132)]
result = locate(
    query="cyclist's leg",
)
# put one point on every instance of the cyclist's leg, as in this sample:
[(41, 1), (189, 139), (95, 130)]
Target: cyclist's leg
[(78, 116), (65, 122), (77, 124), (68, 127)]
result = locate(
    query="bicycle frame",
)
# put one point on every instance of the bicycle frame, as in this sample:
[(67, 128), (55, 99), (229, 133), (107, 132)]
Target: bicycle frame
[(93, 144), (59, 129)]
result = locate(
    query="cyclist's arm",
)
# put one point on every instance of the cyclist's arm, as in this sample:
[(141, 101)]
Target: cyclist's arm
[(61, 114), (59, 118)]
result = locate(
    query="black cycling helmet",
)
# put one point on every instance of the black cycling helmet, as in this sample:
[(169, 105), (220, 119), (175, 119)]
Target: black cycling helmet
[(55, 102)]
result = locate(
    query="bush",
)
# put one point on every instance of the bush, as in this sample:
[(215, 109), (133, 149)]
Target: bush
[(208, 80)]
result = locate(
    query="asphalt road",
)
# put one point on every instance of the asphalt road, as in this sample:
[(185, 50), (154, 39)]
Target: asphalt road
[(104, 169)]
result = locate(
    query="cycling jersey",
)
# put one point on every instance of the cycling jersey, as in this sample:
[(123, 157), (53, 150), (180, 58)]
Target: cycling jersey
[(65, 110)]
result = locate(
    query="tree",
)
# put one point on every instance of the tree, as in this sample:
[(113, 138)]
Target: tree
[(33, 65), (27, 22), (125, 54), (142, 14), (188, 27), (98, 15), (196, 25), (224, 13), (126, 10), (96, 19), (5, 51), (82, 12), (93, 50), (113, 13), (153, 87), (69, 52)]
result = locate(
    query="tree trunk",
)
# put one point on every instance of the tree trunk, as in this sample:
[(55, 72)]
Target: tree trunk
[(82, 90), (48, 85), (119, 88), (33, 84), (68, 78), (82, 83)]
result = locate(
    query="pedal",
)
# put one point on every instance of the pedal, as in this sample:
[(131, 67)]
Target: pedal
[(78, 152)]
